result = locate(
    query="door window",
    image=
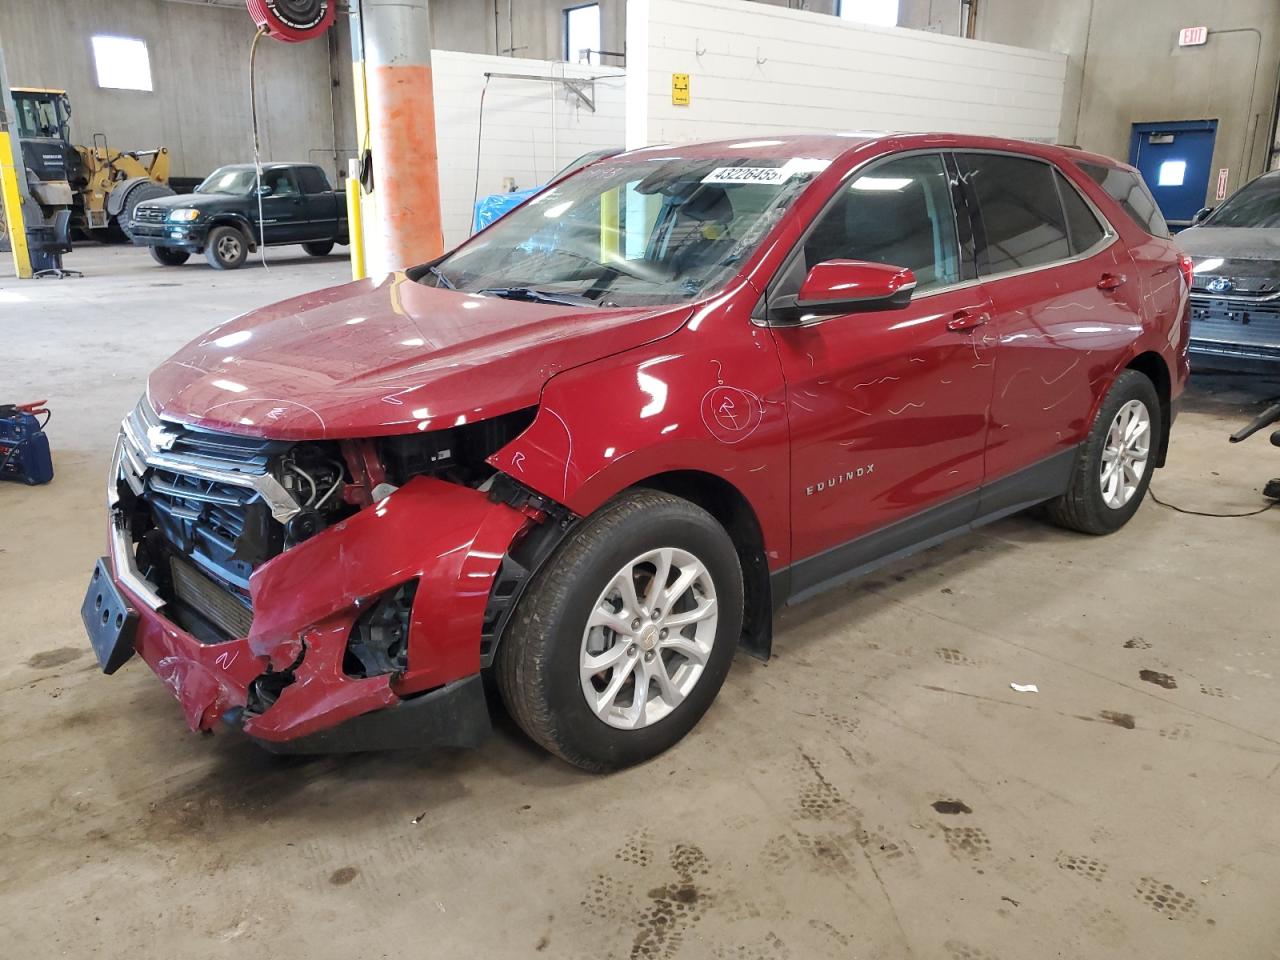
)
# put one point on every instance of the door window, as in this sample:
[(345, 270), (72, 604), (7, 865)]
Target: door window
[(1082, 225), (279, 183), (897, 213), (1024, 221), (313, 180)]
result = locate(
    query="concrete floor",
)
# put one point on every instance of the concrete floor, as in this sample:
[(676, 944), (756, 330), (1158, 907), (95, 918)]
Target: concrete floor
[(1105, 816)]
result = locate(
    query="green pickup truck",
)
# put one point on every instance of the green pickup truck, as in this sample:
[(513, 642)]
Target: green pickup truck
[(230, 214)]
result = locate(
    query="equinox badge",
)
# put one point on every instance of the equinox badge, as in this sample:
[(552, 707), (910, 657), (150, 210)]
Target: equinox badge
[(834, 481)]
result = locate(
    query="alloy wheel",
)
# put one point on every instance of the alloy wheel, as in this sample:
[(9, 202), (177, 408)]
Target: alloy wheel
[(1125, 454), (648, 638)]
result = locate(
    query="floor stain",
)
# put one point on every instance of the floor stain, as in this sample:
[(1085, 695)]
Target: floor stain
[(1082, 866), (1137, 643), (48, 659), (1164, 899), (1159, 679), (1119, 719), (342, 876), (951, 806)]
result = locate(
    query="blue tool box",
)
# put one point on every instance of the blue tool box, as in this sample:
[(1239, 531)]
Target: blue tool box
[(24, 447)]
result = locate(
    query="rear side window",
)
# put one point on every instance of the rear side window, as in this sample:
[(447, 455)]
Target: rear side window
[(1082, 225), (1128, 190), (313, 180), (1021, 212), (899, 213)]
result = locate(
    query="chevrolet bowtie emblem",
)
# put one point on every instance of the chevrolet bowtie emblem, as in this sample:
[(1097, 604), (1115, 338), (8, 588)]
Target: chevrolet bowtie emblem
[(160, 438)]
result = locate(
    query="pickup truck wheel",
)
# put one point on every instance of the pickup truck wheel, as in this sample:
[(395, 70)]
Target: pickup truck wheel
[(225, 248), (318, 248), (169, 256), (624, 638), (1114, 467)]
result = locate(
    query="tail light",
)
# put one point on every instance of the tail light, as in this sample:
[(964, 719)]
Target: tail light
[(1187, 266)]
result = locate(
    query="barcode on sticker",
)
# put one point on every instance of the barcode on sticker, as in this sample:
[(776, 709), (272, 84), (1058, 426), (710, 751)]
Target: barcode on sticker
[(747, 175)]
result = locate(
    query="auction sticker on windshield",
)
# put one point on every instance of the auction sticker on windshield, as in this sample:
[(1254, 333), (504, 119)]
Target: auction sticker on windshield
[(747, 175)]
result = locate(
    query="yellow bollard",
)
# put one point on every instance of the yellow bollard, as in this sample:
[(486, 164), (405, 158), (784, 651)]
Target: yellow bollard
[(355, 229), (12, 200)]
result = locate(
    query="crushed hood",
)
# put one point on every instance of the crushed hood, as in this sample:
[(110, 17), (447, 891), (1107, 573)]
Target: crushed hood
[(369, 359)]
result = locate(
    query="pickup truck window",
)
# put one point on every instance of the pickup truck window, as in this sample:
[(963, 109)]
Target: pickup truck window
[(313, 180), (278, 182), (237, 181), (657, 231)]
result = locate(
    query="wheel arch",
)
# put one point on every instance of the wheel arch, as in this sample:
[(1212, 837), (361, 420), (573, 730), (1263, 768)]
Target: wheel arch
[(733, 511), (237, 221), (1153, 366)]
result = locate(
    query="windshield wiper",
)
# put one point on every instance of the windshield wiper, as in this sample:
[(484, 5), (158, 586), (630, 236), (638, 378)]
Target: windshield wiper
[(530, 295), (439, 275)]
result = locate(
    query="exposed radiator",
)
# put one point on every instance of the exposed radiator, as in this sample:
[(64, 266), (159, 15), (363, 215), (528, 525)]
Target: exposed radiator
[(209, 599)]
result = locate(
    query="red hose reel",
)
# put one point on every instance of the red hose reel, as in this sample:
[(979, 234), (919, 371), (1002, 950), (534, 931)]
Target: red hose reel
[(292, 21)]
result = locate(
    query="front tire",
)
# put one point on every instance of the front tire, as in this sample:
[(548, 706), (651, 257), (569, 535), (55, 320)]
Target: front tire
[(169, 256), (1113, 469), (600, 665), (318, 248), (226, 247)]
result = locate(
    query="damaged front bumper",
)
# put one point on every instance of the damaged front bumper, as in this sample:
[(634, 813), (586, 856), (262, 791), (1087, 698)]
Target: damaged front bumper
[(448, 538)]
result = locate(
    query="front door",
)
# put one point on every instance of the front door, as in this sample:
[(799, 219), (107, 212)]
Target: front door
[(283, 209), (888, 410), (1175, 160)]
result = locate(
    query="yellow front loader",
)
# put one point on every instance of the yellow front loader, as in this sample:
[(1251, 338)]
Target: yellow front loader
[(100, 185)]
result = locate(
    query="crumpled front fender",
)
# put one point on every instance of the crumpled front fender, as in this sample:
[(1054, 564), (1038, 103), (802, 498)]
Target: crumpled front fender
[(450, 538)]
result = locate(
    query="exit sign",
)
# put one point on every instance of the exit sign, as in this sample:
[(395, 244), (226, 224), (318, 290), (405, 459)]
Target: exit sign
[(1193, 36)]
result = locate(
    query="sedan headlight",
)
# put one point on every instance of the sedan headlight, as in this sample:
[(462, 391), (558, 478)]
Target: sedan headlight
[(184, 214)]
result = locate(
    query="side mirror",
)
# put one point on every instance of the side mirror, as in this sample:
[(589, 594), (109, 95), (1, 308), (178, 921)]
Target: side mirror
[(834, 287), (264, 190), (1201, 215)]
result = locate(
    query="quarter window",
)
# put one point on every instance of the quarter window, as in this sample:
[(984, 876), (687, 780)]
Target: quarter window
[(1128, 190), (1082, 225), (897, 213), (1022, 215)]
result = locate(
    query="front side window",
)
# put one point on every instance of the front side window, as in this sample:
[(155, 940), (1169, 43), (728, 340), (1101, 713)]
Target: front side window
[(278, 183), (897, 213), (1255, 205), (1128, 190), (636, 232), (1021, 212)]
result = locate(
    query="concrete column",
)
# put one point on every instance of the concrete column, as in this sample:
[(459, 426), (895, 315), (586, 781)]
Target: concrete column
[(402, 135)]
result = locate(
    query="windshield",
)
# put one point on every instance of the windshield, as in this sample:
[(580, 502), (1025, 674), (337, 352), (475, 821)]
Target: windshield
[(234, 180), (1256, 205), (38, 116), (631, 233)]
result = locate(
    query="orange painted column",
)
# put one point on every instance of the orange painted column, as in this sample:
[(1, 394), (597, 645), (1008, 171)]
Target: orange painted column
[(402, 135)]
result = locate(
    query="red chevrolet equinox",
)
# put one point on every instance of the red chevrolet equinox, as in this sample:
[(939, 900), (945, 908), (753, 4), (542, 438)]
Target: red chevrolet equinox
[(593, 449)]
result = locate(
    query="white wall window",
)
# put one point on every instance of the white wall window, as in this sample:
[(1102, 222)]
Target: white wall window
[(122, 63), (883, 13), (582, 32)]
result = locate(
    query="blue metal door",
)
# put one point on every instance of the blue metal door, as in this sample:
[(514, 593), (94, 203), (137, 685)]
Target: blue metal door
[(1175, 160)]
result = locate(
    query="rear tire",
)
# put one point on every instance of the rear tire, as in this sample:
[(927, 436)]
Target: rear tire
[(1113, 469), (544, 667), (226, 247), (318, 248), (169, 256)]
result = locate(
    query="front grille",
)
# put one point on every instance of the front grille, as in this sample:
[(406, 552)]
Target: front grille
[(1237, 327), (145, 214)]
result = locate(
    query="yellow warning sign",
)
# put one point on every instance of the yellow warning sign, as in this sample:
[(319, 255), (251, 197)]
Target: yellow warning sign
[(680, 89)]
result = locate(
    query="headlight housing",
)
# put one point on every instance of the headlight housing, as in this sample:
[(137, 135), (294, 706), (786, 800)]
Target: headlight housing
[(183, 214)]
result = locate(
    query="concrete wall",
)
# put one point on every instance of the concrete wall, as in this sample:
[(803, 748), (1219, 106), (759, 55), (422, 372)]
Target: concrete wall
[(199, 54), (531, 128), (1125, 67), (756, 70)]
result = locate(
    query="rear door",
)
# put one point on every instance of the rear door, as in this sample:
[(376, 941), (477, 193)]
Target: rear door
[(888, 409), (1065, 305), (321, 204)]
